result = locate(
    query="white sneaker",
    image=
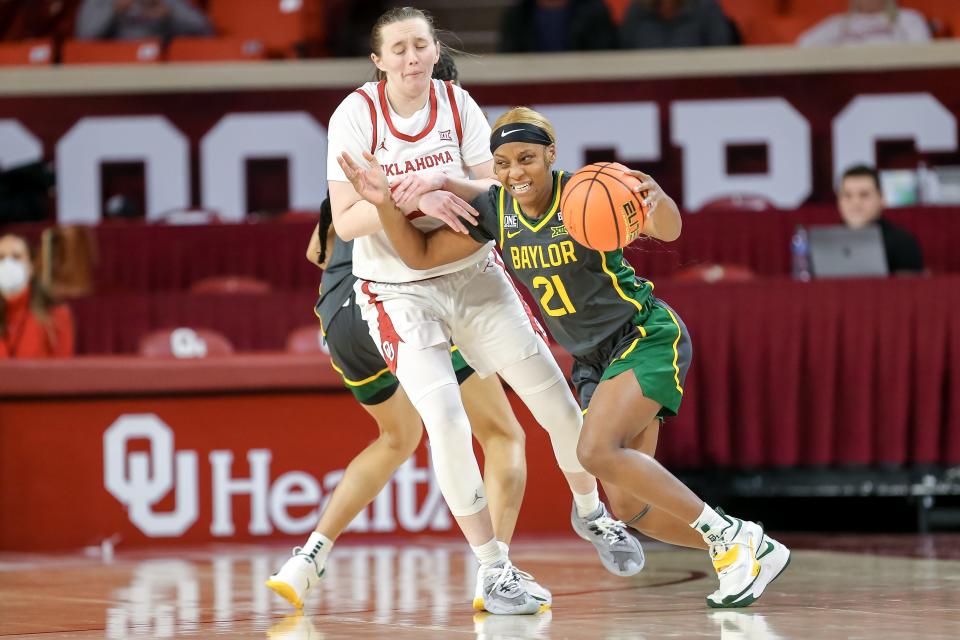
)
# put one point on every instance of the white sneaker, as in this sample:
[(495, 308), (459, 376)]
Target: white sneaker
[(502, 591), (773, 558), (620, 553), (538, 592), (296, 576), (734, 554)]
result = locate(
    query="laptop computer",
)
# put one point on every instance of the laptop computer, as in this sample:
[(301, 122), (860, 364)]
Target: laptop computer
[(836, 251)]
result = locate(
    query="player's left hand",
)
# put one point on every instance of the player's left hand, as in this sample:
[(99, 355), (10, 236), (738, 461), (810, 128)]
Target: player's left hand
[(451, 209), (649, 189), (410, 187)]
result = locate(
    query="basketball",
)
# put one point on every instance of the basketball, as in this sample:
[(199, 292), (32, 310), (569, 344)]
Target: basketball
[(600, 208)]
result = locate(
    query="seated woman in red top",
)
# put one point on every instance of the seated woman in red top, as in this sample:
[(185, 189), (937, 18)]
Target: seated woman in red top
[(32, 324)]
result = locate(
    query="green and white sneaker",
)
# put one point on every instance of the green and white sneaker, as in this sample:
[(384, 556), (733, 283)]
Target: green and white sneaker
[(295, 577), (734, 554), (773, 558)]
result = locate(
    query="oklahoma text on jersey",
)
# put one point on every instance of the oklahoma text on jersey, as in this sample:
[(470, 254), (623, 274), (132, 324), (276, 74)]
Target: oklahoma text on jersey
[(419, 164)]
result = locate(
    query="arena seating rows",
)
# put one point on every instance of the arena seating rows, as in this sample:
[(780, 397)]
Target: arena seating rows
[(297, 28), (262, 29)]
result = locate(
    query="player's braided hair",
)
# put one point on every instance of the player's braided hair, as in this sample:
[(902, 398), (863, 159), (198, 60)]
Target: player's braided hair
[(323, 228)]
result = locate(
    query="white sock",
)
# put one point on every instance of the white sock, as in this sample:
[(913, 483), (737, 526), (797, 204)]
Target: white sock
[(709, 523), (318, 547), (489, 553), (586, 503), (504, 547)]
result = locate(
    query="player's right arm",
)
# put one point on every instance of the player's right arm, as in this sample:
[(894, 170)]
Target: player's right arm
[(418, 250), (352, 215)]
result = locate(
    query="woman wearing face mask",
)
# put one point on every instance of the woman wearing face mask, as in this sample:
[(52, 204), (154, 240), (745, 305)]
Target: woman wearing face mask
[(33, 325)]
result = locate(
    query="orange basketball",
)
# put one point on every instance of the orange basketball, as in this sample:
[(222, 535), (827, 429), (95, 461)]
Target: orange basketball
[(600, 208)]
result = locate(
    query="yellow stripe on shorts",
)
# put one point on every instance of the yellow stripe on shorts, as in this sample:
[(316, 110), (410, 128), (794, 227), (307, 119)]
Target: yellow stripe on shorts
[(676, 353), (358, 383)]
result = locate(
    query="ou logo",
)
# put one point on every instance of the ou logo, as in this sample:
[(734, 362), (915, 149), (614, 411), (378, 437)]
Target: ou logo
[(140, 480), (389, 352), (187, 343)]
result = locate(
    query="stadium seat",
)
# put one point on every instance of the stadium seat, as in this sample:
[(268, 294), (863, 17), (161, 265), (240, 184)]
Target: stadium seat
[(184, 342), (187, 217), (738, 202), (941, 14), (286, 27), (230, 284), (618, 9), (714, 272), (307, 339), (28, 52), (779, 21), (112, 52), (215, 49)]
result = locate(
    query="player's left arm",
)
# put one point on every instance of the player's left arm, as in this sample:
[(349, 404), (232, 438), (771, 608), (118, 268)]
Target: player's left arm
[(662, 219), (475, 151), (412, 187)]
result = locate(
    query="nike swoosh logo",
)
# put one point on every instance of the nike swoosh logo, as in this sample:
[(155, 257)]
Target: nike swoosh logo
[(766, 550), (504, 134), (510, 235)]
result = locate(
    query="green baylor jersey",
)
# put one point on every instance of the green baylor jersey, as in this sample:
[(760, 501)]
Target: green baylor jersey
[(584, 295)]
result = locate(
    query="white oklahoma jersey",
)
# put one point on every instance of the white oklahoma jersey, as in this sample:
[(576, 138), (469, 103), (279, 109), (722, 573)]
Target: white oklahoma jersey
[(449, 134)]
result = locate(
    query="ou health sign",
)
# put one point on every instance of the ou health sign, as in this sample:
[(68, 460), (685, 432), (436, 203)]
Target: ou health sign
[(194, 147)]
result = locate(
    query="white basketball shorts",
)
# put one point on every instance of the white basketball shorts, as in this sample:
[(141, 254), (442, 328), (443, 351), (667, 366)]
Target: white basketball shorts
[(478, 308)]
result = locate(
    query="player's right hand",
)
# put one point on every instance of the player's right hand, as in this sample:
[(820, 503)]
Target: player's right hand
[(369, 182), (449, 208)]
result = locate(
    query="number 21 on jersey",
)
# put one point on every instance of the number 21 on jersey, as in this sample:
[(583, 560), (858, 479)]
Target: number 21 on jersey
[(552, 286)]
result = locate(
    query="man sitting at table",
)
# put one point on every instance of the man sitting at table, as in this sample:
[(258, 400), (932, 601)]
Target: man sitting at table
[(861, 203)]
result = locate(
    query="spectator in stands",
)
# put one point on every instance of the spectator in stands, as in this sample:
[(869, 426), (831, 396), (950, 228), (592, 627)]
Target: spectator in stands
[(32, 324), (136, 19), (861, 204), (557, 25), (868, 22), (667, 24)]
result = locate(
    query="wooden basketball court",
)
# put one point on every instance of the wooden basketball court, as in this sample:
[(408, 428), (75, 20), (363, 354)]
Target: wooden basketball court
[(881, 587)]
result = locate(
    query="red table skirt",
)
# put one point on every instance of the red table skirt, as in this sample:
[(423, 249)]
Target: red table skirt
[(824, 373), (784, 373)]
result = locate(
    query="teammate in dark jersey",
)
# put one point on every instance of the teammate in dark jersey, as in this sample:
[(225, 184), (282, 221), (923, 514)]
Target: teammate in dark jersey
[(607, 317), (355, 357)]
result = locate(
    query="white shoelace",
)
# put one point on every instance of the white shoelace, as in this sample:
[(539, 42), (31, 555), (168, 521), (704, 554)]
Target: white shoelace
[(523, 574), (611, 530), (509, 579)]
